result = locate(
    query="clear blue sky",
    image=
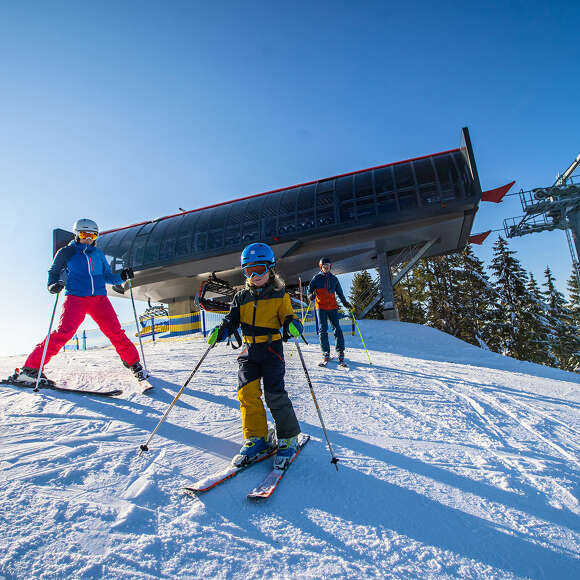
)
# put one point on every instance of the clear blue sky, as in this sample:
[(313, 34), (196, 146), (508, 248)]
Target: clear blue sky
[(124, 111)]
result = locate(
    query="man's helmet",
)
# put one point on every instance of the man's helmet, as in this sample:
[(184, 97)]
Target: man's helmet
[(259, 253), (324, 260), (85, 225)]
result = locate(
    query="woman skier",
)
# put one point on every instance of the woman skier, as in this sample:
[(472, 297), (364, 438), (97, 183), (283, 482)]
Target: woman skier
[(262, 309), (87, 271)]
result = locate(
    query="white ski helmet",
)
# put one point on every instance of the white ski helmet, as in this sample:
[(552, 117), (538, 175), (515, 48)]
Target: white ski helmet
[(85, 225)]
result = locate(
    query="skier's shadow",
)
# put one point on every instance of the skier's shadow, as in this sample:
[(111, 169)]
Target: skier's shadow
[(350, 498)]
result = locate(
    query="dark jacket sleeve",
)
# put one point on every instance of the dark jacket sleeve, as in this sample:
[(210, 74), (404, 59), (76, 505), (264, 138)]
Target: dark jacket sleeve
[(58, 266), (312, 285), (340, 293), (232, 318)]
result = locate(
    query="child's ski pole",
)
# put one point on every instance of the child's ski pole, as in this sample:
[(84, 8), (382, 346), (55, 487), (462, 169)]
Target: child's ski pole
[(303, 320), (45, 345), (145, 447), (361, 337), (334, 459)]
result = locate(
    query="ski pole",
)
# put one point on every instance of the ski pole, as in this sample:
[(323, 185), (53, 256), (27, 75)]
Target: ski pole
[(361, 337), (334, 459), (137, 327), (303, 320), (145, 447), (45, 345)]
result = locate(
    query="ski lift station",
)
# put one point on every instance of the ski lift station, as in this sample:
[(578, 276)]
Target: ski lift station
[(385, 216)]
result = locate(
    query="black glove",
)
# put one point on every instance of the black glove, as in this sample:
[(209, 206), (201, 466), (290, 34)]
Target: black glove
[(127, 274), (312, 296), (347, 305), (292, 329), (56, 287), (118, 288), (219, 333)]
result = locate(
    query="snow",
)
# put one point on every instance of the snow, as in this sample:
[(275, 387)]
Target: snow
[(454, 462)]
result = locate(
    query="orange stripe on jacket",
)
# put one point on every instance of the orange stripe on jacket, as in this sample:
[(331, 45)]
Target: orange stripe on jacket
[(325, 300)]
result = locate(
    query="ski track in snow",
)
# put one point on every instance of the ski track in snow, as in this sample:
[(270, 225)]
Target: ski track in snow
[(454, 462)]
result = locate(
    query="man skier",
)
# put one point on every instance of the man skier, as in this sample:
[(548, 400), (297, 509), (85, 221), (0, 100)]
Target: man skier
[(86, 270), (323, 288)]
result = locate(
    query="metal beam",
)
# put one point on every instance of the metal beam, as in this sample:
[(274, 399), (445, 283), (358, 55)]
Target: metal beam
[(413, 261)]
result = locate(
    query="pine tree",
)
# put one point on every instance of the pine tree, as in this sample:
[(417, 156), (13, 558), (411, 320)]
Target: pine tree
[(574, 297), (537, 347), (565, 341), (478, 297), (510, 328), (409, 295), (362, 293)]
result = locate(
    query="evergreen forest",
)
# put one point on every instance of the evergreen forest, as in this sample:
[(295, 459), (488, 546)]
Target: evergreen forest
[(502, 308)]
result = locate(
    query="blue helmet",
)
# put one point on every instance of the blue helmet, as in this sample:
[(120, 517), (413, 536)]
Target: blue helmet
[(258, 252)]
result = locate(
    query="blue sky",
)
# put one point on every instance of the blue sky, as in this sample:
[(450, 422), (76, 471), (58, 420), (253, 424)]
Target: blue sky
[(124, 111)]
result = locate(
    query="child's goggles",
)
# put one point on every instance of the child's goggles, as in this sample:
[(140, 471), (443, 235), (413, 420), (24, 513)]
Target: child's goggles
[(88, 235), (255, 270)]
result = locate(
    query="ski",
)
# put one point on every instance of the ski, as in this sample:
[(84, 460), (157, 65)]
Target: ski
[(53, 387), (145, 384), (214, 480), (269, 484)]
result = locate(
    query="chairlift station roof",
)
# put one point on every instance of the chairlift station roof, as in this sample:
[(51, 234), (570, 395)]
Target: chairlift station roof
[(346, 217)]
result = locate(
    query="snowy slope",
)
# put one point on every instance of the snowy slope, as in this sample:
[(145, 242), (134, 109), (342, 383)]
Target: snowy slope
[(455, 462)]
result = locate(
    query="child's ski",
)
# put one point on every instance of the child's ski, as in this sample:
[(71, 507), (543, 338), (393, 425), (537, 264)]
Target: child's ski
[(269, 484), (214, 480)]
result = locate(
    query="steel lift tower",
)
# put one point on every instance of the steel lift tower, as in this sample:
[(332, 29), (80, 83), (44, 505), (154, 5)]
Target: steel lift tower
[(552, 208)]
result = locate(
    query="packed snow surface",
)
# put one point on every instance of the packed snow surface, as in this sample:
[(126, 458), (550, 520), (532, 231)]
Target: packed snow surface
[(454, 462)]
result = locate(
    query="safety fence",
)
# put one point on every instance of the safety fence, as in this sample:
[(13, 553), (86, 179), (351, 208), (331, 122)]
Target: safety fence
[(162, 328)]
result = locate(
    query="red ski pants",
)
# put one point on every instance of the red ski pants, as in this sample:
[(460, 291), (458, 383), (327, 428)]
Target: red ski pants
[(74, 310)]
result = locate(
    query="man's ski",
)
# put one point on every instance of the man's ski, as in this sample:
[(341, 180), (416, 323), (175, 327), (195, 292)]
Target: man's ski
[(269, 484), (112, 393), (214, 480)]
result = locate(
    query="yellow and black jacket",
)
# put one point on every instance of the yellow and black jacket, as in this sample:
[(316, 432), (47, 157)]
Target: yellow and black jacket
[(261, 313)]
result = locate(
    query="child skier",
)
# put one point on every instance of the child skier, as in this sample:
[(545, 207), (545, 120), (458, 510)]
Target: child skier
[(262, 309), (87, 271)]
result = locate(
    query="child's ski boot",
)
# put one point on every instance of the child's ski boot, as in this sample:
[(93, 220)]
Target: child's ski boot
[(253, 449), (286, 452)]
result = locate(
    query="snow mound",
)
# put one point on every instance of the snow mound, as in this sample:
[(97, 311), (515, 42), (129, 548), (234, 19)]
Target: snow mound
[(454, 462)]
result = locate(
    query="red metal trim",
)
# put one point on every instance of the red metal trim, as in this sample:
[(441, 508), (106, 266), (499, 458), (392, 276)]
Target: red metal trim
[(478, 238), (281, 189), (497, 194)]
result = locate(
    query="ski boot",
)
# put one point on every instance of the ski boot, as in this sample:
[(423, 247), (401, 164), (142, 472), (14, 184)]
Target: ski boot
[(325, 359), (341, 362), (27, 377), (286, 452), (139, 372), (253, 449)]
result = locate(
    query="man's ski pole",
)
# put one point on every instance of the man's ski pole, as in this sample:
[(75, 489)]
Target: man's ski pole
[(361, 337), (145, 447), (137, 327), (334, 459), (45, 346)]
